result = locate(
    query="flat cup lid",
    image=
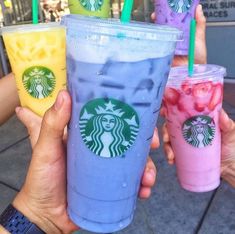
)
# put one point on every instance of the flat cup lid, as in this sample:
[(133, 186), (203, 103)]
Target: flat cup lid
[(201, 72), (115, 28), (24, 28)]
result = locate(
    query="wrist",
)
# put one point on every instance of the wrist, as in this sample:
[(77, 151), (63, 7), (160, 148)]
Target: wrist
[(3, 230), (35, 216)]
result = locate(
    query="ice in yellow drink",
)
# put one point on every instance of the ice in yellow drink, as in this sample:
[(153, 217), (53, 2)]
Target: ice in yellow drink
[(37, 57)]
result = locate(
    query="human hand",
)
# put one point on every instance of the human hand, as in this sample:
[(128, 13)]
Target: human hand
[(150, 171), (43, 196), (227, 127), (33, 125), (200, 43), (167, 145)]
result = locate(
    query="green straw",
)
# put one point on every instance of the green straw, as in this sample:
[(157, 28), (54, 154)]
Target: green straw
[(191, 55), (35, 11), (126, 11)]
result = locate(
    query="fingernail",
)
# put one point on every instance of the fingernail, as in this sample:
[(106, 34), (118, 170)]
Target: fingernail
[(201, 11), (151, 173), (165, 138), (18, 109), (200, 7), (59, 101)]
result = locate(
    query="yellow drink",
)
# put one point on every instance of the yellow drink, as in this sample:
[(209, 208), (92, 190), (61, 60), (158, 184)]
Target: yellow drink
[(37, 57)]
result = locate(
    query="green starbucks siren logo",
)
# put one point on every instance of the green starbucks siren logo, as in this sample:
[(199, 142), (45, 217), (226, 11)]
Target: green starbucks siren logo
[(180, 6), (199, 131), (39, 81), (92, 5), (108, 127)]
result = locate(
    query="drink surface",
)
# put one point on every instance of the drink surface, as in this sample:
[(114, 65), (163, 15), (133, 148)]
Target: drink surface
[(38, 62), (192, 112)]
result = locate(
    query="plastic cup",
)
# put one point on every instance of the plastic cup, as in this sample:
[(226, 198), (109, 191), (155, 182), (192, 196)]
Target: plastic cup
[(192, 106), (116, 77), (177, 14), (98, 8), (37, 57)]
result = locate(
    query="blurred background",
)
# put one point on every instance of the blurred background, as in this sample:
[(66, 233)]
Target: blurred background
[(19, 11), (220, 24)]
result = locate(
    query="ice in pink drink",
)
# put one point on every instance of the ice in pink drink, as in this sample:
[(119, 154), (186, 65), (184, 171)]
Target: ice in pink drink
[(192, 106)]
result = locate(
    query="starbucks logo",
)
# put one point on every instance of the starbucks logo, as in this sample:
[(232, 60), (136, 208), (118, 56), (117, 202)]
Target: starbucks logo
[(199, 131), (108, 127), (180, 6), (39, 81), (91, 5)]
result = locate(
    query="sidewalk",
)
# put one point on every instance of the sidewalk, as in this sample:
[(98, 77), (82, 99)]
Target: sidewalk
[(170, 210)]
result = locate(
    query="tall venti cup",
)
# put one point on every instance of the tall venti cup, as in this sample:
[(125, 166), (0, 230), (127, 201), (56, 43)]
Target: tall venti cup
[(116, 77), (192, 106), (177, 13), (38, 61)]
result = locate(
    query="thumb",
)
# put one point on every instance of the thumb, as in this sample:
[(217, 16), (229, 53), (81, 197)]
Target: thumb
[(201, 23), (155, 140), (226, 124), (200, 51), (54, 122), (153, 16)]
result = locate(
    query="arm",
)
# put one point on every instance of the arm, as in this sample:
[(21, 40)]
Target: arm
[(9, 99), (42, 199)]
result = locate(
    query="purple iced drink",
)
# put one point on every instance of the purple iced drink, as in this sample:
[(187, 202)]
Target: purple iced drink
[(116, 77), (177, 13)]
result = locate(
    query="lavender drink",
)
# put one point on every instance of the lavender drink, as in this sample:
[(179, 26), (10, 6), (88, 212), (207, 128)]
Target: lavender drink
[(177, 13), (116, 77)]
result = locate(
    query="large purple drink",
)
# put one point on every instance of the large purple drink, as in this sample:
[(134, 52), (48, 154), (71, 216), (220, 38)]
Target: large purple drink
[(177, 13), (116, 77)]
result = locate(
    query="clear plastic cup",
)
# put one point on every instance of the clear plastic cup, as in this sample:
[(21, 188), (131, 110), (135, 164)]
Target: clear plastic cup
[(38, 61), (177, 13), (117, 74), (192, 106)]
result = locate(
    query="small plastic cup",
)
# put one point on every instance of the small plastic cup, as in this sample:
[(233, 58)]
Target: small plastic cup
[(177, 13), (192, 106), (37, 58)]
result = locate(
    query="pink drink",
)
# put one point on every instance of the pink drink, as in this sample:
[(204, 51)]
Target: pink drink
[(192, 106), (177, 13)]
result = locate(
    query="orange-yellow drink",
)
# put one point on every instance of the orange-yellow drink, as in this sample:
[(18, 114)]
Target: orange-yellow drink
[(37, 57)]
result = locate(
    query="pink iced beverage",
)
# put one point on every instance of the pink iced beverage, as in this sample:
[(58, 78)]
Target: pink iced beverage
[(192, 106), (177, 13)]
